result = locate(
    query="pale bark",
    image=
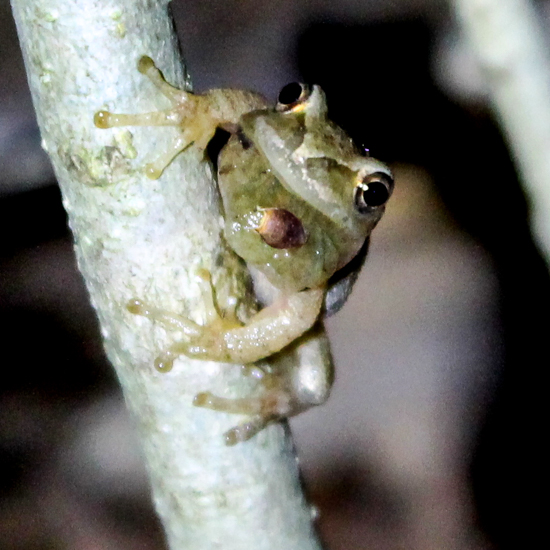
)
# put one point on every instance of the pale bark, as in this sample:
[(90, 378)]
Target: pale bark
[(508, 39), (137, 238)]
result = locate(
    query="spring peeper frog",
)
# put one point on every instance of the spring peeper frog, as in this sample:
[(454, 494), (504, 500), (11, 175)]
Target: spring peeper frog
[(300, 201)]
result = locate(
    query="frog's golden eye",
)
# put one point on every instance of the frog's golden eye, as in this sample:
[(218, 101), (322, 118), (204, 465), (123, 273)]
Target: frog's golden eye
[(373, 191), (293, 97)]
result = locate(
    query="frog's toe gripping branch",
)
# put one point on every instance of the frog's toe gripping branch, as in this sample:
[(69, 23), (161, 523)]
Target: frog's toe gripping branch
[(273, 405), (169, 117), (243, 432), (154, 170), (147, 67), (296, 380)]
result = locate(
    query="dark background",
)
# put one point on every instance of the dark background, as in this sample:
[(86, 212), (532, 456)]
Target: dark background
[(377, 71)]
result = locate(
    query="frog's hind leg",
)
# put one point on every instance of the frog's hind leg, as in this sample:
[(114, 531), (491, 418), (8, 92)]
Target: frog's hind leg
[(270, 407), (297, 379)]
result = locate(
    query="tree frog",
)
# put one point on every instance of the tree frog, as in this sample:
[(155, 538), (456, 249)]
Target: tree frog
[(300, 201)]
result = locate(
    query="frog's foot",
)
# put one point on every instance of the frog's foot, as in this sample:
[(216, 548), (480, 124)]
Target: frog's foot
[(181, 115), (201, 341), (171, 117), (294, 381), (196, 116), (169, 321), (272, 406)]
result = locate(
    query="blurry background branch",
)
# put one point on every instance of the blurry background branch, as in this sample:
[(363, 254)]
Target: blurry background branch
[(431, 437), (513, 51)]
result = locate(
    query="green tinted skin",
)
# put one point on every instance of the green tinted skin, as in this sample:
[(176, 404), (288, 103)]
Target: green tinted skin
[(301, 162), (300, 201)]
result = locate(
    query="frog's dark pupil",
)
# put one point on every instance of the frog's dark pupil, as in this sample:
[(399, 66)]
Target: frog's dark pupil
[(290, 93), (375, 193)]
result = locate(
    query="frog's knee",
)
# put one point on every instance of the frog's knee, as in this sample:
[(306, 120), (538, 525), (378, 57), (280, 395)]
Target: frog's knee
[(311, 385)]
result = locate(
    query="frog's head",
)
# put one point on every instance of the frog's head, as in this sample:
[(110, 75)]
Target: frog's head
[(316, 160)]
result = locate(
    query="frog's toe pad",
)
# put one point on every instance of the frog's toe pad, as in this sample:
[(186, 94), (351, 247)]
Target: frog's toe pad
[(203, 399), (243, 432)]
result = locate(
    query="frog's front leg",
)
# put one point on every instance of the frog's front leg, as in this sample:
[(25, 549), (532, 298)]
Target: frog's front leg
[(197, 116), (180, 115), (299, 377), (228, 341)]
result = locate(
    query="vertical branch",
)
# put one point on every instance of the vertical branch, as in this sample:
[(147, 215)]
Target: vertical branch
[(510, 45), (136, 238)]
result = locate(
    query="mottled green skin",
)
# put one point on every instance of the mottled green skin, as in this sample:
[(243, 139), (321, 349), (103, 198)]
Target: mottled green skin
[(243, 196), (260, 169)]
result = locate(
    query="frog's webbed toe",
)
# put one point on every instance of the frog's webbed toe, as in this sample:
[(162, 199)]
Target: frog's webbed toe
[(245, 431), (147, 67), (168, 117), (273, 405)]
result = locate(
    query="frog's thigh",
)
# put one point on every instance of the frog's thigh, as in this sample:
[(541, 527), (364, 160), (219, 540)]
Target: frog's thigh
[(313, 372)]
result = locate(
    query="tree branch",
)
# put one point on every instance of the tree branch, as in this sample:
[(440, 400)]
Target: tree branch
[(513, 53), (136, 238)]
